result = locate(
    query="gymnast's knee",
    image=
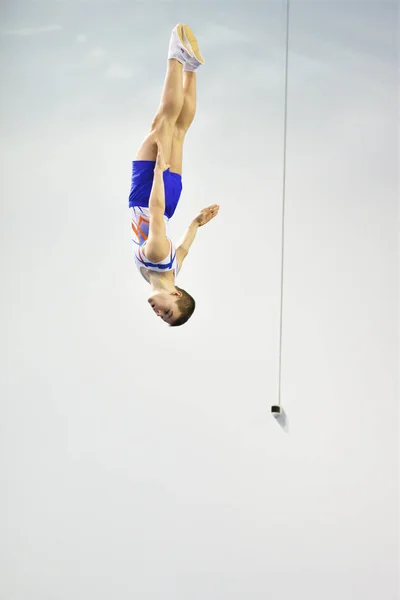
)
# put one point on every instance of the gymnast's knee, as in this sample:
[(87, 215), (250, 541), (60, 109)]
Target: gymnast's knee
[(162, 123)]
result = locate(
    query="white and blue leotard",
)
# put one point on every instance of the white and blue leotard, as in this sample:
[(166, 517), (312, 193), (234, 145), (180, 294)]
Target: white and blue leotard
[(140, 233)]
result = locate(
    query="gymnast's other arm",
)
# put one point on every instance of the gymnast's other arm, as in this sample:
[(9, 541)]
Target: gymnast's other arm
[(202, 218), (157, 245)]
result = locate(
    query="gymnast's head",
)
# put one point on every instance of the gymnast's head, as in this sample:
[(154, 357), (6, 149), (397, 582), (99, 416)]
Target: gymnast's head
[(175, 308)]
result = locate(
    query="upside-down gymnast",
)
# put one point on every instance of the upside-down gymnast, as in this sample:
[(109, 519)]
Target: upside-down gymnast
[(157, 184)]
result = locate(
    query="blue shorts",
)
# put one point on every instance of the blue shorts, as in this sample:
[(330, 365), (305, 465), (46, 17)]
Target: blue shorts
[(142, 181)]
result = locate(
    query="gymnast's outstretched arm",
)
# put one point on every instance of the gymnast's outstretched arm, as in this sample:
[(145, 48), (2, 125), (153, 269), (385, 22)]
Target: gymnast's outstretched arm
[(187, 240)]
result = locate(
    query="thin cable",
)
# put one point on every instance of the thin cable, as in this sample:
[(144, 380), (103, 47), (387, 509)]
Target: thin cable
[(283, 199)]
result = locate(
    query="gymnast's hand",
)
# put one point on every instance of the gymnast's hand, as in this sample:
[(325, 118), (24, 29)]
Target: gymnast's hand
[(160, 161), (206, 215)]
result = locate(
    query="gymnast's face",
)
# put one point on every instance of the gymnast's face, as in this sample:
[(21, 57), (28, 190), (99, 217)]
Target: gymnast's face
[(164, 305)]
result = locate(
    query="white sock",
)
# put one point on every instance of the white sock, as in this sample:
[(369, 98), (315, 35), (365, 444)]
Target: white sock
[(176, 49), (192, 65)]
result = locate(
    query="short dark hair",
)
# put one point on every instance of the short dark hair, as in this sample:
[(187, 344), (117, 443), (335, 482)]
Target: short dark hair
[(186, 306)]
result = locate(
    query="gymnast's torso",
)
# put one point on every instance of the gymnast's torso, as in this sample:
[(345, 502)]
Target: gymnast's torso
[(140, 232)]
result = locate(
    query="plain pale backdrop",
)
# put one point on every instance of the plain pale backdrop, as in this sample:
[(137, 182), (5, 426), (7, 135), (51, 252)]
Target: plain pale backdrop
[(141, 462)]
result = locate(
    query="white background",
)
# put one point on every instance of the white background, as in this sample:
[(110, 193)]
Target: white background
[(141, 462)]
